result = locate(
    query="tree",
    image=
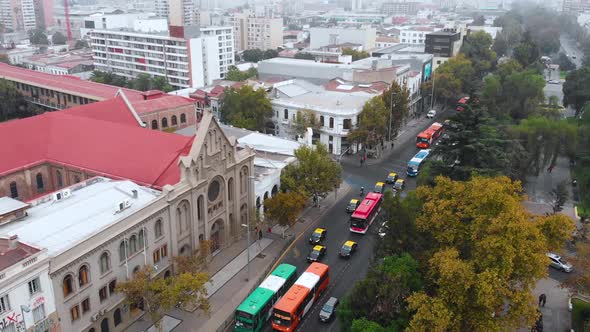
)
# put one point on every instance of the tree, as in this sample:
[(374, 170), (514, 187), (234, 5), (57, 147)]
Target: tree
[(356, 55), (477, 48), (522, 92), (81, 43), (253, 55), (576, 89), (58, 38), (246, 108), (400, 97), (313, 173), (490, 252), (305, 119), (270, 53), (565, 63), (479, 20), (234, 74), (38, 37), (453, 78), (500, 46), (160, 83), (142, 82), (364, 325), (284, 208), (109, 78), (559, 195), (14, 105), (159, 295), (195, 261), (304, 56), (372, 125), (527, 52), (579, 282)]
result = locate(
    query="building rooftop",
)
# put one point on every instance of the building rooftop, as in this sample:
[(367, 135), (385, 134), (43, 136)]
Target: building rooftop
[(12, 255), (8, 205), (106, 148), (60, 225), (65, 83)]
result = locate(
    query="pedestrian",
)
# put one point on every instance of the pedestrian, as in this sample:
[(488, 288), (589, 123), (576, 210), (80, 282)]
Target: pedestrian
[(392, 144), (362, 161), (542, 300), (315, 200), (260, 234), (550, 168)]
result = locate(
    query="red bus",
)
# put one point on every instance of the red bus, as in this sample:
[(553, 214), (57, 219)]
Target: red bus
[(461, 104), (365, 213), (292, 307), (425, 138)]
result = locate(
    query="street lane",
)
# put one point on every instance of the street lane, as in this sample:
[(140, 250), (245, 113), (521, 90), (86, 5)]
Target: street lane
[(570, 48), (344, 273)]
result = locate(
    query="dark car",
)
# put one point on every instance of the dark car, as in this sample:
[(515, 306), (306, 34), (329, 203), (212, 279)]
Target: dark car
[(328, 311), (352, 205), (348, 248), (316, 253), (391, 177), (318, 235)]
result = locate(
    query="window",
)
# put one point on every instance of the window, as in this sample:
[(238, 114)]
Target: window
[(132, 244), (321, 120), (164, 251), (34, 286), (39, 313), (117, 316), (164, 123), (83, 276), (85, 305), (13, 190), (4, 304), (40, 184), (158, 228), (59, 179), (122, 251), (174, 120), (347, 124), (105, 263), (68, 285), (286, 114), (102, 294), (331, 122), (76, 179), (140, 239), (75, 313), (113, 286), (182, 118), (154, 124), (156, 256)]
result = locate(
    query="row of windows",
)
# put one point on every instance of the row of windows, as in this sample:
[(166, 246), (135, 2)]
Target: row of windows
[(173, 119), (51, 93), (347, 123), (34, 287), (13, 187), (79, 309)]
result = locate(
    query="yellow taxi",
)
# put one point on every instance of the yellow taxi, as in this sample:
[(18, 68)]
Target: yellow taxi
[(391, 177), (352, 205), (318, 235), (399, 185), (348, 248), (379, 187), (316, 253)]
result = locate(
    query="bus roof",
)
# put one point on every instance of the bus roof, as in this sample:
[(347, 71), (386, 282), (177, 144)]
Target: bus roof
[(367, 205), (284, 271), (294, 296), (422, 154), (273, 283), (318, 269), (256, 301), (308, 279)]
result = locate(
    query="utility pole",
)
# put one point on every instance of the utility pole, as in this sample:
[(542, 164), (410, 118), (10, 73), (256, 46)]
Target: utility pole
[(432, 95), (390, 114)]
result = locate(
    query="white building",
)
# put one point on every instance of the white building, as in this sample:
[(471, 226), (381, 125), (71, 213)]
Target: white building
[(18, 15), (336, 105), (414, 35), (140, 22), (331, 36), (252, 32), (184, 62)]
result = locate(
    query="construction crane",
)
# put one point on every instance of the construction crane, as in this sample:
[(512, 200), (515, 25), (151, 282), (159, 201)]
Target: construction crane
[(67, 16)]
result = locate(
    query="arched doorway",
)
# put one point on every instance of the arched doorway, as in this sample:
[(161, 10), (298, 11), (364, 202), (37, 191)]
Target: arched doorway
[(104, 325), (216, 235), (232, 225), (274, 191)]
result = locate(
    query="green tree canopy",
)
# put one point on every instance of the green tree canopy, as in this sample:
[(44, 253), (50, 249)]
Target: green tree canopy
[(313, 173), (356, 55), (401, 105), (246, 108), (142, 82), (38, 37), (305, 119), (373, 122), (253, 55), (476, 48), (14, 105), (490, 254), (576, 89), (284, 208), (58, 38), (81, 43), (304, 56), (234, 74), (452, 79)]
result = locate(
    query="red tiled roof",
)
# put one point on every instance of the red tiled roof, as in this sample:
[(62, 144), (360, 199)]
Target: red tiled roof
[(163, 102), (9, 257), (67, 84), (112, 110), (147, 157)]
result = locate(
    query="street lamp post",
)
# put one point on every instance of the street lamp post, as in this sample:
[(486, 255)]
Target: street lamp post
[(390, 114)]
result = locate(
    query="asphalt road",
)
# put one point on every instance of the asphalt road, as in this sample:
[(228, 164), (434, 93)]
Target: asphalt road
[(569, 47), (345, 272)]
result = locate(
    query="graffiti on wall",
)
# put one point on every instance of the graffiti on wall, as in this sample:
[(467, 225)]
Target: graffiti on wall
[(14, 319)]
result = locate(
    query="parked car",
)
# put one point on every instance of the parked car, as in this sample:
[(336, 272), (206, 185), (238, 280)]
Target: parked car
[(316, 253), (554, 81), (431, 114), (348, 248), (559, 263), (352, 205), (328, 311), (399, 185), (318, 235)]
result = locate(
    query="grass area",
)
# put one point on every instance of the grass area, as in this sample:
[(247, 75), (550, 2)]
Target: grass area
[(583, 210), (580, 315)]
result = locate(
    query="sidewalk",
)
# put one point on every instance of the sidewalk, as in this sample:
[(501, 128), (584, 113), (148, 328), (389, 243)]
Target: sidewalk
[(229, 286)]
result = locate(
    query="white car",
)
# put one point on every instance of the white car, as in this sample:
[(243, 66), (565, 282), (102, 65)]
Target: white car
[(431, 114), (554, 81), (559, 263)]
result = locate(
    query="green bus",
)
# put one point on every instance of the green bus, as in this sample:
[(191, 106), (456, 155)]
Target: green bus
[(255, 311)]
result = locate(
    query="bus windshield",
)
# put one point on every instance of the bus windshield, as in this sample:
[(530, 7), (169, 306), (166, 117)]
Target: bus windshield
[(357, 222), (422, 139), (281, 318), (240, 322)]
